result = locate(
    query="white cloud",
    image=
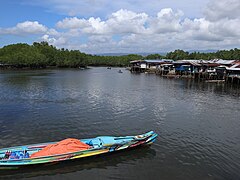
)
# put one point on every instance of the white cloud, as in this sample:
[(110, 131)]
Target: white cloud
[(58, 42), (91, 25), (27, 27), (100, 39), (167, 21), (222, 9), (199, 29), (46, 38), (53, 32), (72, 23), (124, 21), (226, 28), (132, 31), (102, 8), (140, 32)]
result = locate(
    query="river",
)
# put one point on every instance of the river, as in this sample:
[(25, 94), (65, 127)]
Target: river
[(198, 123)]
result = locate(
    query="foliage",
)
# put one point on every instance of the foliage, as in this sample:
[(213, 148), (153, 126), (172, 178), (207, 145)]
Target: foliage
[(154, 56), (22, 55), (177, 55), (42, 55), (233, 54)]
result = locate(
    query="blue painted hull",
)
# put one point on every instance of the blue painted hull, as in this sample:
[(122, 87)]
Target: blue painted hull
[(99, 145)]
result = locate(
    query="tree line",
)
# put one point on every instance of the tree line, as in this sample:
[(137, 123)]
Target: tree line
[(233, 54), (41, 55)]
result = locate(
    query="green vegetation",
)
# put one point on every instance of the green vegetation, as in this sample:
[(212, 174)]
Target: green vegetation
[(233, 54), (154, 56), (41, 55)]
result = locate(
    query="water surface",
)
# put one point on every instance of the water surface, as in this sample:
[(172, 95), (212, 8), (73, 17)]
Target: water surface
[(198, 123)]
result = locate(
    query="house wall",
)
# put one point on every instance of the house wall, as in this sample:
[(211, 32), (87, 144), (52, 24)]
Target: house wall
[(144, 66)]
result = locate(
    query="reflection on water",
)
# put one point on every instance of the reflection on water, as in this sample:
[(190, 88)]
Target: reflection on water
[(77, 166), (198, 123)]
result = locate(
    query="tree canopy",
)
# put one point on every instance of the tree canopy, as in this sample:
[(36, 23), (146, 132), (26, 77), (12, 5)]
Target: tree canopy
[(42, 54), (233, 54)]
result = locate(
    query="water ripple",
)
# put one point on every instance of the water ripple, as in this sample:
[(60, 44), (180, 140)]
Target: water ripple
[(198, 124)]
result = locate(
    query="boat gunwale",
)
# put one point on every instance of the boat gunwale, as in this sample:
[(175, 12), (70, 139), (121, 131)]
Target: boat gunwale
[(45, 157), (77, 153)]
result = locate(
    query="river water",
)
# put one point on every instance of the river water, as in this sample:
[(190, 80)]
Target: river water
[(198, 123)]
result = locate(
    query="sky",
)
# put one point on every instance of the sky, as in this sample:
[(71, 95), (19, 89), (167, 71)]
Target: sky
[(122, 26)]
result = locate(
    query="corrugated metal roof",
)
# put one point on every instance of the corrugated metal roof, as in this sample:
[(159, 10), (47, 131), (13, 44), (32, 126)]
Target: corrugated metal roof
[(153, 61), (235, 66), (158, 61), (135, 61), (221, 61), (179, 62), (233, 69), (192, 62)]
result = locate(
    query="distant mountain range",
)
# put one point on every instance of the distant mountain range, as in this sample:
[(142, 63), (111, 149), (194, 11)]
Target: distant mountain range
[(145, 53), (124, 54), (203, 51)]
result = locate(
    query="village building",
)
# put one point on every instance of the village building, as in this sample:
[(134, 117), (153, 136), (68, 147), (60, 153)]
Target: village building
[(147, 65), (211, 70)]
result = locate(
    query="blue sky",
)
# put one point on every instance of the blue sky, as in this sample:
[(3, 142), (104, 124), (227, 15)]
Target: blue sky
[(127, 26), (49, 13), (14, 11)]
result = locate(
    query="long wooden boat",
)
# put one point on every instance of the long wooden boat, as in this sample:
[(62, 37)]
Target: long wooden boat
[(98, 145)]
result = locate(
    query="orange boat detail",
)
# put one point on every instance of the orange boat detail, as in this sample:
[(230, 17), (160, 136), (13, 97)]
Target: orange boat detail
[(62, 147)]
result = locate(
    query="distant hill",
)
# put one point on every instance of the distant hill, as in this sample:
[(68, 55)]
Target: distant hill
[(204, 51), (124, 54), (148, 53)]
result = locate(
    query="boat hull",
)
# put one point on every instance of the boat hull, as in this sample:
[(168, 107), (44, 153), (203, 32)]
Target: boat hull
[(100, 145)]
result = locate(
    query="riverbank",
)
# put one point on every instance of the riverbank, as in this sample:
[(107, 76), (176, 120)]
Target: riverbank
[(16, 67)]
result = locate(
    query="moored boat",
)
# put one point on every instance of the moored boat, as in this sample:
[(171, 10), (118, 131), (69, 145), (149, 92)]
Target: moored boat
[(70, 149)]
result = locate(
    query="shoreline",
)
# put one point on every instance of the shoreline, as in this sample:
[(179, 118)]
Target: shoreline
[(55, 67)]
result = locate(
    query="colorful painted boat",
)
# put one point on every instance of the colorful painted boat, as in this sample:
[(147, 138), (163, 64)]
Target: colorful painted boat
[(98, 145)]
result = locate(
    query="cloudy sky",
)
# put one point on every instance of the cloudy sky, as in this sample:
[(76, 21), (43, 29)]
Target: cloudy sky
[(122, 26)]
